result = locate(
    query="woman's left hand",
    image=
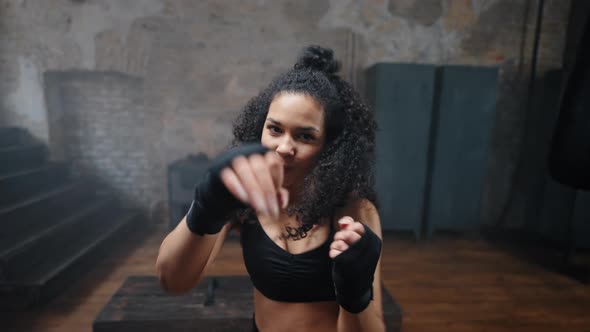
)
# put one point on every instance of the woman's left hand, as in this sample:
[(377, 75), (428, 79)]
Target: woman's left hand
[(349, 233)]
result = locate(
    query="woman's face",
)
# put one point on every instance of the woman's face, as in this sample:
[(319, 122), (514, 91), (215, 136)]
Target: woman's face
[(294, 128)]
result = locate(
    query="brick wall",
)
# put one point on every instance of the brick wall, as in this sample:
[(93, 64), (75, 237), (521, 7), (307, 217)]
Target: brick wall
[(105, 131)]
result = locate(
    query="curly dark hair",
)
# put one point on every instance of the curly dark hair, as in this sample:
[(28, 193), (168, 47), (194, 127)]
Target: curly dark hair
[(345, 167)]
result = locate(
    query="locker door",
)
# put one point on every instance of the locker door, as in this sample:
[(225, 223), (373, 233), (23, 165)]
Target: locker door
[(402, 98), (464, 118)]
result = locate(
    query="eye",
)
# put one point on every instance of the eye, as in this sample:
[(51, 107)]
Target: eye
[(307, 137), (273, 129)]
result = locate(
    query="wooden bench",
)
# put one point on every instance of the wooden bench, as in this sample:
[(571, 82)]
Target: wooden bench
[(218, 303)]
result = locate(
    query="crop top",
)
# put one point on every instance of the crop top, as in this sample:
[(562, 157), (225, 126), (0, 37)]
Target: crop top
[(285, 277)]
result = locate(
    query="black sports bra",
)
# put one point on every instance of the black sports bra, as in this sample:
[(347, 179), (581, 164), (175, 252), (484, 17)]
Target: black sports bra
[(285, 277)]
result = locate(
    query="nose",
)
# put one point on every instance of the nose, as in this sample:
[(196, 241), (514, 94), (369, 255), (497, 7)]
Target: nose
[(286, 148)]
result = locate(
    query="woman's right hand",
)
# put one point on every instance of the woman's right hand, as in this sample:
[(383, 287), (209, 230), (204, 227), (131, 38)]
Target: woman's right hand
[(257, 180), (246, 175)]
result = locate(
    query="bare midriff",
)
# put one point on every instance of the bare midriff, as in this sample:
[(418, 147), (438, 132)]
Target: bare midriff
[(284, 316)]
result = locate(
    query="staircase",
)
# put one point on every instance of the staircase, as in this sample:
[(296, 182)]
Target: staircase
[(52, 226)]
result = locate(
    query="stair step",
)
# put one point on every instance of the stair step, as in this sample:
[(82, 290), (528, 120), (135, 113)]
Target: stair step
[(26, 184), (22, 157), (54, 275), (19, 221), (52, 242), (81, 247), (10, 136), (43, 197)]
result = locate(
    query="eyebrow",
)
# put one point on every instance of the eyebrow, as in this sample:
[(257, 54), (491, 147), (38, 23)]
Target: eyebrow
[(301, 128)]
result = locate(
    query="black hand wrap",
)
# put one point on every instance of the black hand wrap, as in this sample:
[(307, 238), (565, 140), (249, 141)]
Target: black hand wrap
[(214, 203), (353, 272)]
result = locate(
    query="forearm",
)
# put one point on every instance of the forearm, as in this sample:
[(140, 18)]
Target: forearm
[(357, 278), (368, 320), (182, 258), (184, 254)]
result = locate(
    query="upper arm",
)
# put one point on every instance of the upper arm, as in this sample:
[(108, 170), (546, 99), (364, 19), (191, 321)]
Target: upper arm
[(183, 257), (218, 245)]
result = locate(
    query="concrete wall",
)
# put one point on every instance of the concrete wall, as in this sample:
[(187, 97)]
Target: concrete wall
[(123, 88)]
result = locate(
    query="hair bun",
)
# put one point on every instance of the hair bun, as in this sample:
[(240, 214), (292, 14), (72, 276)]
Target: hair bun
[(318, 58)]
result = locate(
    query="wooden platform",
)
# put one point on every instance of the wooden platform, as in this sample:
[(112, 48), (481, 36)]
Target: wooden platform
[(219, 303)]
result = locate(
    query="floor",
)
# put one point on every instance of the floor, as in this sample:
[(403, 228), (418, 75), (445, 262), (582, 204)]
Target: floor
[(449, 283)]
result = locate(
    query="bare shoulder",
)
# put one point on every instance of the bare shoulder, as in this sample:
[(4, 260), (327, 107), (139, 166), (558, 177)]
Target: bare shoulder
[(364, 211)]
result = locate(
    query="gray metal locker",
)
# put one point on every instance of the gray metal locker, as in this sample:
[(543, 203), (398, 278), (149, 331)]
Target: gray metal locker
[(401, 96), (466, 103)]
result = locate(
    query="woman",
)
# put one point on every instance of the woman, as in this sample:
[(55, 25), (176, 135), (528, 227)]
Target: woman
[(298, 187)]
